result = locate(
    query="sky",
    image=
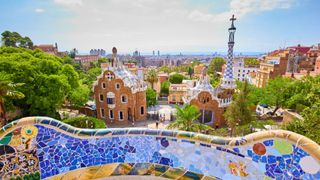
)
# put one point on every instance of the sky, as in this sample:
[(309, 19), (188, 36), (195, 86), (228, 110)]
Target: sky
[(165, 25)]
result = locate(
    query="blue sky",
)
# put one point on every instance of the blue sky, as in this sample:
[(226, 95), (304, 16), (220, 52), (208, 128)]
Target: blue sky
[(165, 25)]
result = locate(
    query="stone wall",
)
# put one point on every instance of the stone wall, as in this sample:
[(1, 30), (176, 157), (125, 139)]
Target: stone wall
[(40, 147)]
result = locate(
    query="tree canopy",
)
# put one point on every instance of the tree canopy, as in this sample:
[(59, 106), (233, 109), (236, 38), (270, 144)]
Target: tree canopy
[(186, 119), (238, 113), (152, 76), (176, 78), (14, 39), (216, 65), (165, 88), (86, 122), (151, 96), (48, 81)]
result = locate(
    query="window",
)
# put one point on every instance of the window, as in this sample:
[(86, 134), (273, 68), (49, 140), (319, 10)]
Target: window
[(101, 97), (111, 114), (142, 110), (124, 99), (117, 86), (110, 98), (102, 112), (120, 115), (110, 76), (103, 85)]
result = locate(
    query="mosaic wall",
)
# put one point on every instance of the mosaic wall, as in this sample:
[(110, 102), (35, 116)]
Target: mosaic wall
[(45, 148)]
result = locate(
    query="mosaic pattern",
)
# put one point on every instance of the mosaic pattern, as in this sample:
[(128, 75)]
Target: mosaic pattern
[(48, 149), (18, 153)]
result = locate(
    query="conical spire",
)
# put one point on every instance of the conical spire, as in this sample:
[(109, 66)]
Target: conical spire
[(228, 80)]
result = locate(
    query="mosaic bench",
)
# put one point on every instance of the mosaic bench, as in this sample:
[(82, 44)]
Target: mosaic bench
[(44, 148)]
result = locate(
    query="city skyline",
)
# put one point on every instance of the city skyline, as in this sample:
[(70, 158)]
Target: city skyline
[(169, 26)]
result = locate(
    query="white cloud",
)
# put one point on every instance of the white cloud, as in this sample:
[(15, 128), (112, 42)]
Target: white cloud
[(152, 24), (69, 3), (241, 8), (39, 10)]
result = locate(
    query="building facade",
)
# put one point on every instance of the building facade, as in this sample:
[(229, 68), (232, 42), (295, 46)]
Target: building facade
[(176, 93), (120, 95), (85, 60), (273, 65), (241, 71)]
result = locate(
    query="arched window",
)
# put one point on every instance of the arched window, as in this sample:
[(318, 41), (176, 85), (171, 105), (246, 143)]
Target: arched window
[(121, 116), (142, 110), (101, 97), (124, 99), (117, 86)]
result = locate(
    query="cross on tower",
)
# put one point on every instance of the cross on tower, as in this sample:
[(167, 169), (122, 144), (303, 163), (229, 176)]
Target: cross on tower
[(232, 19)]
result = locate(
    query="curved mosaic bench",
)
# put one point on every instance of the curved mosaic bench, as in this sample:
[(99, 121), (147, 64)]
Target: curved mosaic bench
[(41, 147)]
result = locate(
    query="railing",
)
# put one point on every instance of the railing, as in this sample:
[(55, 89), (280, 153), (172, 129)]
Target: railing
[(42, 147)]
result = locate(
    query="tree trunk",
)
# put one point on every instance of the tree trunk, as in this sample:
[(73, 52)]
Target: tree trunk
[(275, 110), (4, 112), (231, 132)]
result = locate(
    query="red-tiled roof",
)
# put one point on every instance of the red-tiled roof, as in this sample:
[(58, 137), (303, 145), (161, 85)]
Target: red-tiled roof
[(300, 49)]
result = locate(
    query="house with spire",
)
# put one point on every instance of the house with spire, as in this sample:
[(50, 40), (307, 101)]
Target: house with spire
[(213, 102), (119, 95)]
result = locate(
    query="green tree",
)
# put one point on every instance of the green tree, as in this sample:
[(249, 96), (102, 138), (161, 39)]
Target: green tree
[(216, 65), (251, 61), (165, 69), (303, 93), (190, 71), (86, 122), (73, 53), (310, 125), (8, 89), (176, 78), (151, 95), (14, 39), (79, 96), (152, 77), (238, 113), (186, 119), (165, 88), (47, 80), (276, 93)]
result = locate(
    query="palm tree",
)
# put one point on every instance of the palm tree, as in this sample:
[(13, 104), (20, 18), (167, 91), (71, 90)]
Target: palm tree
[(8, 89), (152, 77), (185, 119)]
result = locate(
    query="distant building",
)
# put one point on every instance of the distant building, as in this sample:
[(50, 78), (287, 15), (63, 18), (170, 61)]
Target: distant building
[(178, 91), (99, 52), (317, 65), (241, 70), (85, 60), (273, 65), (51, 49), (198, 69), (119, 95)]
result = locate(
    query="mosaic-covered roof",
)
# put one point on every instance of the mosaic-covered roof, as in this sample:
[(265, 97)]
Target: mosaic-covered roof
[(129, 79)]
